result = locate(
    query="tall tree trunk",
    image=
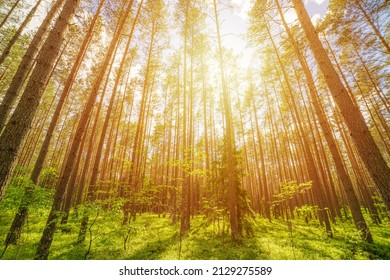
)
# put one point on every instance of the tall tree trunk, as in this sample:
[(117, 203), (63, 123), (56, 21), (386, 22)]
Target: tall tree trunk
[(372, 25), (231, 161), (264, 184), (353, 117), (318, 187), (9, 13), (25, 65), (64, 94), (347, 185), (25, 156), (21, 216), (99, 151), (185, 196), (18, 32), (19, 124), (91, 195), (175, 172), (135, 169), (51, 224)]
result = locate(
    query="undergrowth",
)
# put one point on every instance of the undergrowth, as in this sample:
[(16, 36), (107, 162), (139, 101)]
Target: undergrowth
[(154, 237)]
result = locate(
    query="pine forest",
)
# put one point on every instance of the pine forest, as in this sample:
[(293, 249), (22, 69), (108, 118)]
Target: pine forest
[(183, 129)]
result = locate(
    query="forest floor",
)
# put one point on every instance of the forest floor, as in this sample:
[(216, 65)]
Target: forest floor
[(154, 237)]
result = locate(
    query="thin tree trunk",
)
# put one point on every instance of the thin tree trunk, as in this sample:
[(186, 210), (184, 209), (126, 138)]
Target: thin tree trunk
[(9, 13), (21, 216), (347, 185), (64, 94), (365, 144), (25, 65), (70, 193), (231, 161), (264, 184), (185, 206), (12, 42), (51, 224), (372, 25), (19, 124), (91, 195)]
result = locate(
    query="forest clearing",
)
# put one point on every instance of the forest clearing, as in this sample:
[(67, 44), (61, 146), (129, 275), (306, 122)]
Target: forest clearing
[(181, 129)]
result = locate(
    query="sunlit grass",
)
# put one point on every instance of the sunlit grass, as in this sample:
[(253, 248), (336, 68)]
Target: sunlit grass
[(154, 237)]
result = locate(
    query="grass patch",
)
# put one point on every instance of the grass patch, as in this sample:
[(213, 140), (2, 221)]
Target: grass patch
[(150, 237)]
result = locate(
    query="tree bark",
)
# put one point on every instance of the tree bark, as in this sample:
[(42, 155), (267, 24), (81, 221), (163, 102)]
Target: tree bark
[(12, 42), (47, 236), (19, 124), (185, 196), (231, 160), (353, 117), (9, 13), (91, 196), (353, 202), (21, 216), (25, 65), (64, 94), (372, 25)]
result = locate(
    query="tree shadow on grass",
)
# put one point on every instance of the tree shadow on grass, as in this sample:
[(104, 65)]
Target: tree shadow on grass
[(377, 251), (220, 247), (71, 252), (153, 250), (20, 251)]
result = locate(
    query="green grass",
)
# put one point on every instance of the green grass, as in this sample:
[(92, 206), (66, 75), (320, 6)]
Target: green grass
[(153, 237)]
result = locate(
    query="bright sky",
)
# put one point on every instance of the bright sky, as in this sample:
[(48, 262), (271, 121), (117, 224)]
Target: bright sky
[(236, 23)]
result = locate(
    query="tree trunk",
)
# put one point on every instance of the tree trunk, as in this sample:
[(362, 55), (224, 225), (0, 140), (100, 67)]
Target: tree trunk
[(9, 13), (12, 42), (372, 25), (95, 168), (70, 193), (51, 224), (185, 196), (91, 195), (64, 94), (264, 184), (347, 185), (19, 124), (24, 67), (21, 216), (364, 141), (231, 160), (317, 186)]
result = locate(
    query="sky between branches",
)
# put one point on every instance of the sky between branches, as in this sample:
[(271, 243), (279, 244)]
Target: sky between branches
[(236, 23)]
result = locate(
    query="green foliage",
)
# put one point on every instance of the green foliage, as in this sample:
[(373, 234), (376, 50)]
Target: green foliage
[(306, 211), (151, 237), (247, 222), (15, 194), (15, 56), (289, 189), (215, 203), (49, 177)]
